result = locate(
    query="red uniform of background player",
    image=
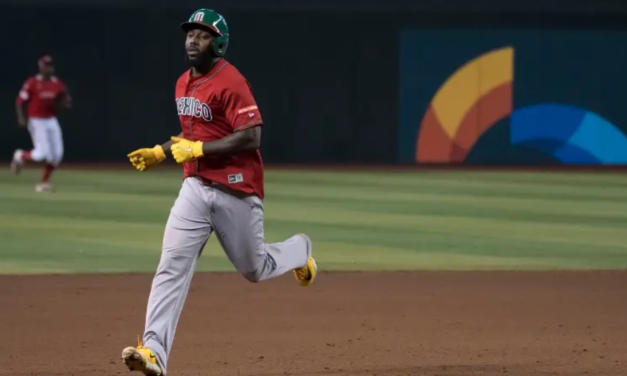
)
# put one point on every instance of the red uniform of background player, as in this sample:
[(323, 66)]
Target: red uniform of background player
[(37, 105)]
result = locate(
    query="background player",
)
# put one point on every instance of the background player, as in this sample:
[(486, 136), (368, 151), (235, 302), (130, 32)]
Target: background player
[(222, 190), (37, 105)]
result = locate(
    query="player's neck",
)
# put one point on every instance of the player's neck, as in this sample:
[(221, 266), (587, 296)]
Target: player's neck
[(203, 70)]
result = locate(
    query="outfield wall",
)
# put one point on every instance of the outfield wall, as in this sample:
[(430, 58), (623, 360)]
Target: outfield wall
[(343, 86)]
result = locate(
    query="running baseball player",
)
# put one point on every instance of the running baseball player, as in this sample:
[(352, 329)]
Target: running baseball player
[(37, 105), (222, 190)]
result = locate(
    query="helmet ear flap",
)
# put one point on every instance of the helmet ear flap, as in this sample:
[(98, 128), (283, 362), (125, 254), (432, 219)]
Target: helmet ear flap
[(219, 45)]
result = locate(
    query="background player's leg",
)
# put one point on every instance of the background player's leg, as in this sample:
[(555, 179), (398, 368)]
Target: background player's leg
[(239, 228), (186, 233), (37, 130), (56, 143), (54, 139), (45, 130), (39, 136)]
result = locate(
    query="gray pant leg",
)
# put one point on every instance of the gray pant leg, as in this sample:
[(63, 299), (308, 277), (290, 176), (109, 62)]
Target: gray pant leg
[(187, 231), (239, 228)]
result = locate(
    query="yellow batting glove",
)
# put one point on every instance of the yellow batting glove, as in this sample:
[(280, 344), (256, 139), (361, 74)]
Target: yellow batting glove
[(143, 159), (184, 150)]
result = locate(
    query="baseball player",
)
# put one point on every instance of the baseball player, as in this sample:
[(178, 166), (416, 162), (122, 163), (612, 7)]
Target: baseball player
[(37, 105), (222, 190)]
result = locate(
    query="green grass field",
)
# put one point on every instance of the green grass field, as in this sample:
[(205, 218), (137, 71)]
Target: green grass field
[(105, 221)]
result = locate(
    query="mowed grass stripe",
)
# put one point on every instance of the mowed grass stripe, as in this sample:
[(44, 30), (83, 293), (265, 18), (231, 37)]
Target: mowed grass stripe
[(78, 217), (113, 221)]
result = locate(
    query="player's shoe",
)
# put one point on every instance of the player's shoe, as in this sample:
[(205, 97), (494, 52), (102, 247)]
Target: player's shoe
[(17, 163), (44, 188), (306, 275), (141, 359)]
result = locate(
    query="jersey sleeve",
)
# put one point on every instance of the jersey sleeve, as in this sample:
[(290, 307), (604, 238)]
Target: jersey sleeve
[(240, 108), (26, 92), (62, 88)]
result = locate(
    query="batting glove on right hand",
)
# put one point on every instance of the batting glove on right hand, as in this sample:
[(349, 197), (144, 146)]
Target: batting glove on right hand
[(184, 150), (143, 159)]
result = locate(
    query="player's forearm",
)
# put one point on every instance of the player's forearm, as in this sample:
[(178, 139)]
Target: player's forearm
[(66, 101), (167, 145), (21, 114), (238, 142)]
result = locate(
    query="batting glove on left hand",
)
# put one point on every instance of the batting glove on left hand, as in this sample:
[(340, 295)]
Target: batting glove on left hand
[(184, 150), (143, 159)]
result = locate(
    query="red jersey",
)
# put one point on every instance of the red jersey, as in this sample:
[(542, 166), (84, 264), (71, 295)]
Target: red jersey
[(41, 96), (211, 107)]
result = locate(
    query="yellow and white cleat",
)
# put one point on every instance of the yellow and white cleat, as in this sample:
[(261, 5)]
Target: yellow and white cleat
[(141, 359), (306, 275), (17, 163)]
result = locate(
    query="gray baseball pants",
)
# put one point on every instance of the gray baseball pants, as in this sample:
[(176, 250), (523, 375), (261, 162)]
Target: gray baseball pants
[(198, 211)]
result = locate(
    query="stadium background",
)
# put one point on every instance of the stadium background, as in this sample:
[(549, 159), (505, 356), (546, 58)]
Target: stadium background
[(328, 75)]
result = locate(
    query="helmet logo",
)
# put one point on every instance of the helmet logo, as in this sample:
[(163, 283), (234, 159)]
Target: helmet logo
[(198, 17), (215, 24)]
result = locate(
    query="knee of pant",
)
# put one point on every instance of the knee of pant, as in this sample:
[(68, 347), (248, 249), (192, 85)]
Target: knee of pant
[(253, 277), (38, 155), (56, 161)]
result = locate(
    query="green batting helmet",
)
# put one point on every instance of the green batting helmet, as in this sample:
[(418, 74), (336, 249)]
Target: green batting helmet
[(214, 23)]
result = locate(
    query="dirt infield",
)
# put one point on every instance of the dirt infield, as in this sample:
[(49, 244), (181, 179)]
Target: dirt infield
[(406, 324)]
